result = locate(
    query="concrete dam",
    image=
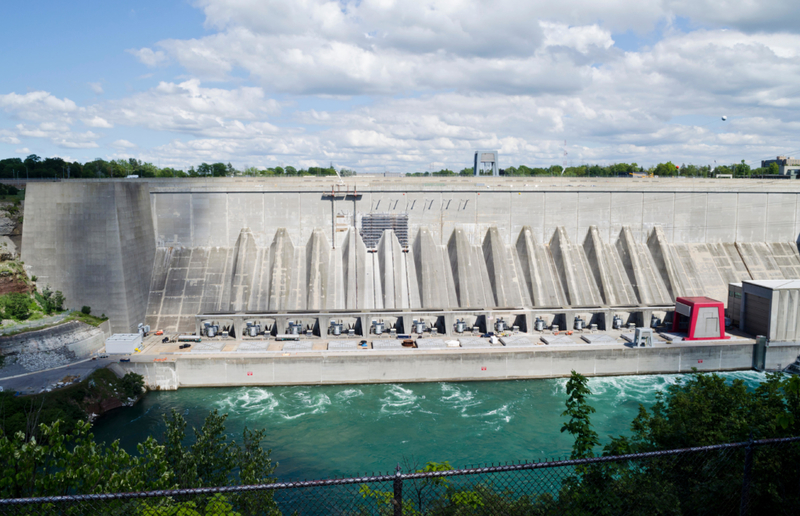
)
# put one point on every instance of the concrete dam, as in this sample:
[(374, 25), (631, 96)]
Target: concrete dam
[(164, 251)]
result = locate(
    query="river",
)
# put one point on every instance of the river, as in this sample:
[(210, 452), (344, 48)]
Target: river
[(321, 431)]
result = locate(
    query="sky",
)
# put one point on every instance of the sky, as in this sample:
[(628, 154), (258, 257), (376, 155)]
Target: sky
[(401, 86)]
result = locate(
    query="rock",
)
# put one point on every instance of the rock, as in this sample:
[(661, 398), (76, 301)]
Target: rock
[(110, 403), (8, 246), (7, 225)]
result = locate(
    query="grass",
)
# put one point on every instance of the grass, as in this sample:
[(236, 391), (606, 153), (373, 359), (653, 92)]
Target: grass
[(18, 197), (91, 320)]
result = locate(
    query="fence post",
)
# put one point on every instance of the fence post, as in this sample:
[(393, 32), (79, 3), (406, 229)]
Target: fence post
[(398, 493), (748, 467)]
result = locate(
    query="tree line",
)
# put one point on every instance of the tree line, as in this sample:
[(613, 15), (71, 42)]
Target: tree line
[(668, 169), (35, 167)]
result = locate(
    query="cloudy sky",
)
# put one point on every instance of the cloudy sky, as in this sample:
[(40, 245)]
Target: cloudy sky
[(401, 85)]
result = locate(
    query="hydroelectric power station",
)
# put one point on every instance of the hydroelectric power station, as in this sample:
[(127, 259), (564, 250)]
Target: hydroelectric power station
[(312, 280)]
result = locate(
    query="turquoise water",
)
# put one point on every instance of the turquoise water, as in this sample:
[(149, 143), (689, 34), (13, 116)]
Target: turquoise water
[(321, 431)]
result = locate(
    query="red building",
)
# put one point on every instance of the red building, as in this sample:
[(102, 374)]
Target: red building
[(705, 318)]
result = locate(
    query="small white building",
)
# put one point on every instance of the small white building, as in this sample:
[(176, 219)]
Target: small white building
[(123, 343), (771, 308)]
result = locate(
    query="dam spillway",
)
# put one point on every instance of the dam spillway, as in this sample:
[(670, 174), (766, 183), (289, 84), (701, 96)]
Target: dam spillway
[(163, 251)]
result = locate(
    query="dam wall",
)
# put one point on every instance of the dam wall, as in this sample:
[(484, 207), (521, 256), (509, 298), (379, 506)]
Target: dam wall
[(190, 213), (183, 247), (94, 241)]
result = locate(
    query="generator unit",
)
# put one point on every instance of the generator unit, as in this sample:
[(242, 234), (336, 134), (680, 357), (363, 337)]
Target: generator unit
[(701, 317)]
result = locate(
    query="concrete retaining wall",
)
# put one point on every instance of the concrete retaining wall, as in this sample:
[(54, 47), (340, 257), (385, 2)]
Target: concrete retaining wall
[(83, 340), (93, 241), (414, 366)]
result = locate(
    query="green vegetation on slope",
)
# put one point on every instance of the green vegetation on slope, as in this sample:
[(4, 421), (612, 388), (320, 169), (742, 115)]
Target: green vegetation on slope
[(71, 405), (67, 462)]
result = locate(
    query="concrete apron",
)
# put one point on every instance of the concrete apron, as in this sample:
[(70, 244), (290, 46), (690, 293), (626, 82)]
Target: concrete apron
[(329, 368)]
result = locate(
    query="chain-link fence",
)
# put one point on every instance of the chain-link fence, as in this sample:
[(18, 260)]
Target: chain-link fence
[(753, 478)]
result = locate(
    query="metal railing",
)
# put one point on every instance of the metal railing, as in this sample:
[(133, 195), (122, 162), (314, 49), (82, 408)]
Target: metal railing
[(745, 478)]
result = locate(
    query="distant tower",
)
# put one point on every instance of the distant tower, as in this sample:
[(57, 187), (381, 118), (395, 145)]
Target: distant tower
[(565, 158), (484, 157)]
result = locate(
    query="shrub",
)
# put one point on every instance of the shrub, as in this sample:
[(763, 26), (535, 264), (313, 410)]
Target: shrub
[(132, 384), (17, 306), (86, 310)]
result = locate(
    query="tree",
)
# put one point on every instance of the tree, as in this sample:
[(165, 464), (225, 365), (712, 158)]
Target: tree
[(17, 306), (51, 301), (204, 169), (665, 169), (742, 169), (62, 464), (579, 412), (219, 170)]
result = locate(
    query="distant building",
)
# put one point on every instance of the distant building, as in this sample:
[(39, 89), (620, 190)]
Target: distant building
[(786, 166), (485, 160)]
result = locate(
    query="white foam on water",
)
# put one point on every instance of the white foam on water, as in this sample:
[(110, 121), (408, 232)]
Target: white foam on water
[(642, 388), (305, 401), (143, 415), (457, 397), (348, 394), (252, 400), (397, 397), (290, 417)]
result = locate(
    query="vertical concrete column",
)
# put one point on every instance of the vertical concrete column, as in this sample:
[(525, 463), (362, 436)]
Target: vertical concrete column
[(449, 322), (366, 323), (281, 325), (644, 318), (238, 327), (407, 323), (529, 319), (608, 319), (197, 326)]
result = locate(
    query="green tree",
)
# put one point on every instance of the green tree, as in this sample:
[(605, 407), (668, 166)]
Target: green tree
[(579, 412), (17, 306), (219, 170), (73, 463)]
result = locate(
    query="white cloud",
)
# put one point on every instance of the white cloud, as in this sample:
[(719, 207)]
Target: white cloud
[(37, 106), (123, 144), (149, 57), (96, 87), (23, 150), (374, 83), (98, 122), (190, 108), (7, 136), (579, 38)]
